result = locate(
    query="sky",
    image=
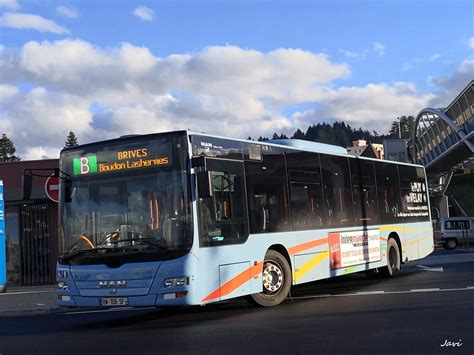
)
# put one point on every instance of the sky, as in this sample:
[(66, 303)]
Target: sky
[(104, 69)]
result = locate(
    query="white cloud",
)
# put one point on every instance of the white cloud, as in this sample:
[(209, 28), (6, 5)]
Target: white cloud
[(355, 55), (9, 4), (144, 13), (413, 63), (450, 86), (7, 92), (373, 106), (40, 152), (39, 120), (101, 93), (226, 90), (408, 66), (66, 11), (30, 22), (471, 42), (379, 49), (434, 57)]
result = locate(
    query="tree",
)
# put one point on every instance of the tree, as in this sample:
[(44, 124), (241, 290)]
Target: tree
[(7, 150), (405, 124), (71, 140), (298, 134)]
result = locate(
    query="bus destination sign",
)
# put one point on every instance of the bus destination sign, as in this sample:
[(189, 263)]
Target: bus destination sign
[(108, 161)]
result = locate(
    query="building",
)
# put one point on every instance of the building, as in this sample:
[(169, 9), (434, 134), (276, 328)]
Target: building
[(362, 148), (30, 225), (396, 150)]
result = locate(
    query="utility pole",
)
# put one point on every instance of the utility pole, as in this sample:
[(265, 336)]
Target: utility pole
[(399, 128)]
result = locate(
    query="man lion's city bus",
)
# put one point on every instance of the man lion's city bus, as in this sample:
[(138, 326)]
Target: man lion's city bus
[(186, 218)]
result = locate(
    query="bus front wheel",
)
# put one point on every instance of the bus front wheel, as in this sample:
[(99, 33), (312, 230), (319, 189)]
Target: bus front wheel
[(276, 280), (393, 259)]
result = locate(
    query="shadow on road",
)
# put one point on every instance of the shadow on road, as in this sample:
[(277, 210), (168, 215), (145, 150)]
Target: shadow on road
[(73, 320)]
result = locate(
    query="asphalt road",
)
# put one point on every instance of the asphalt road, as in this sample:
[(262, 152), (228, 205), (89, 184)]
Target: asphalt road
[(428, 305)]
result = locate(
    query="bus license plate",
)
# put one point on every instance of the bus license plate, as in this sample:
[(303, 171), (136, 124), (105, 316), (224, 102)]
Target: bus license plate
[(115, 301)]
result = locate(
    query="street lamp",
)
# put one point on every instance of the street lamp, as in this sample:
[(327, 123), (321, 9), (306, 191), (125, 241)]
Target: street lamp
[(399, 128)]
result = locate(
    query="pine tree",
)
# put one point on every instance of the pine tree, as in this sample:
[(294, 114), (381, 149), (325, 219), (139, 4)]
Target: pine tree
[(7, 150), (71, 140), (298, 135), (406, 125)]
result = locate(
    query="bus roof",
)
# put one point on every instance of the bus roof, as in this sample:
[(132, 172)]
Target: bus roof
[(299, 144), (309, 145)]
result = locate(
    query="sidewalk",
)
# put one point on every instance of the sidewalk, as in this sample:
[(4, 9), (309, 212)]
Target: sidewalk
[(30, 298)]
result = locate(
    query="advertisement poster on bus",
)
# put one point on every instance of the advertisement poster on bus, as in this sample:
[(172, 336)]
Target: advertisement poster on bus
[(354, 248)]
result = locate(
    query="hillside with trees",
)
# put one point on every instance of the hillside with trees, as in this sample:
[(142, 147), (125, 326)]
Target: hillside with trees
[(342, 134)]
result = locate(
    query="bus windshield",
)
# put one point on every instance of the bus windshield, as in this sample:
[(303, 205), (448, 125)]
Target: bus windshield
[(137, 215)]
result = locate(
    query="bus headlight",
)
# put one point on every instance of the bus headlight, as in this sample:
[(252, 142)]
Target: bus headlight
[(62, 286), (176, 281)]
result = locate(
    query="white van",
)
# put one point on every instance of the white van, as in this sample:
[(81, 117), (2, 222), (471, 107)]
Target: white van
[(456, 230)]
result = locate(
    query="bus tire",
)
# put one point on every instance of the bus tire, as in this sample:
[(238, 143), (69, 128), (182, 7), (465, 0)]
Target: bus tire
[(276, 279), (451, 243), (393, 259)]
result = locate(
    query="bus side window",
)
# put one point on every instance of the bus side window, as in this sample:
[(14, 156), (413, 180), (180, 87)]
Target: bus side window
[(388, 192), (337, 191), (364, 192), (414, 193), (267, 192), (306, 200)]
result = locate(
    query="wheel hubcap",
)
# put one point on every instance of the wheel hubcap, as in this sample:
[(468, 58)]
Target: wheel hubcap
[(272, 277)]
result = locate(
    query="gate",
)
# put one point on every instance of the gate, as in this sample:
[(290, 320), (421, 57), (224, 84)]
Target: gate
[(35, 245)]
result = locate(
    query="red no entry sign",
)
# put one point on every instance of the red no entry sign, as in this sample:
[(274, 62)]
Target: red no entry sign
[(51, 186)]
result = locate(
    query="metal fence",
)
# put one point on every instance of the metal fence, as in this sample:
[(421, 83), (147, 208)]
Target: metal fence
[(35, 245)]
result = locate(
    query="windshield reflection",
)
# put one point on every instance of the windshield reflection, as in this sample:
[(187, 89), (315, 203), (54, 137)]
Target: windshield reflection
[(125, 215)]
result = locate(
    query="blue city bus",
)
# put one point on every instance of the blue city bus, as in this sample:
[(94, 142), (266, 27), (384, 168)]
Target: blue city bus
[(185, 218)]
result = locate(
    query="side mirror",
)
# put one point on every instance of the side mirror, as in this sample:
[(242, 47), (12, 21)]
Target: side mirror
[(27, 186), (204, 184)]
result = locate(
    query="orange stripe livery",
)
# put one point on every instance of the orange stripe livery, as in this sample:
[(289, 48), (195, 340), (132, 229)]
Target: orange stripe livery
[(255, 271)]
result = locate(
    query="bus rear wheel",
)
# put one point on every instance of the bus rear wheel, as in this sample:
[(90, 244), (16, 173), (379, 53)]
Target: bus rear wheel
[(276, 280), (393, 259)]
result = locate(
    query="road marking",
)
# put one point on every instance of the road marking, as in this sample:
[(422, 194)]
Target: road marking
[(121, 309), (371, 293), (25, 292), (470, 288), (425, 290), (426, 268)]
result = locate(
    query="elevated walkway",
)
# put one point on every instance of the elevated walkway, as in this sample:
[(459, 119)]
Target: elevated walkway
[(443, 140)]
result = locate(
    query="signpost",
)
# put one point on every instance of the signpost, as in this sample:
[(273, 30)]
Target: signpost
[(51, 187), (3, 260)]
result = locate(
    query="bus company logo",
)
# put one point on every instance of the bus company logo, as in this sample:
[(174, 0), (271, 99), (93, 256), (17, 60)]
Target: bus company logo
[(85, 165)]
